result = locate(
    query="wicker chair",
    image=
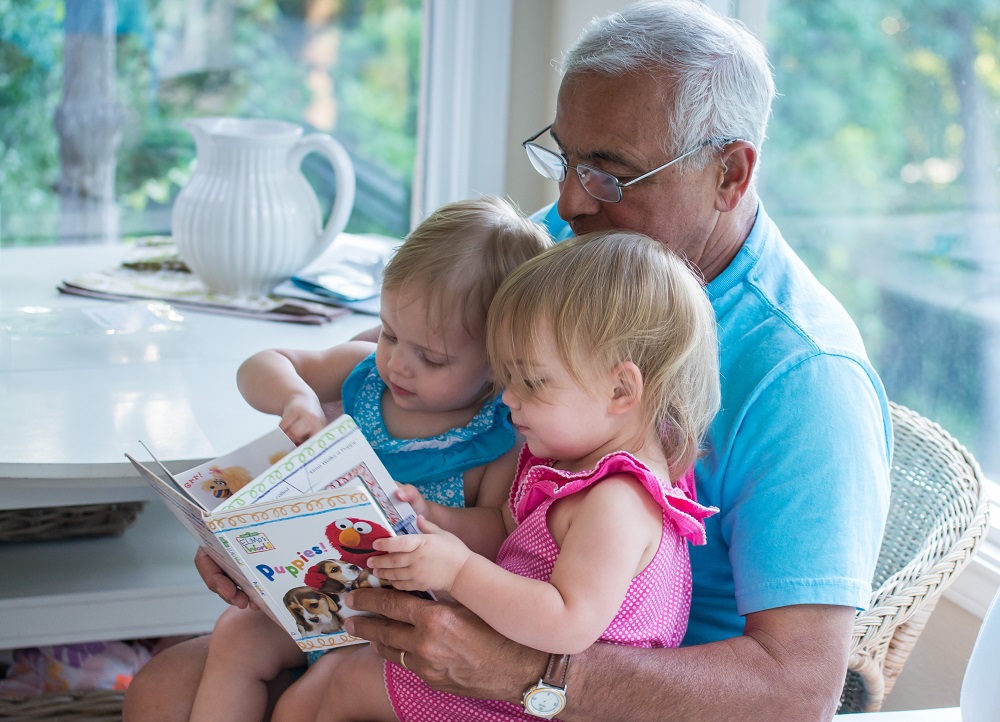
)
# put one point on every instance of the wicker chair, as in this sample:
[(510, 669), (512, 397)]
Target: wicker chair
[(938, 515)]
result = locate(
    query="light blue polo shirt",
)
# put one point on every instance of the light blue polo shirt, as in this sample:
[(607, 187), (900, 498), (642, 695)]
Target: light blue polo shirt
[(798, 457)]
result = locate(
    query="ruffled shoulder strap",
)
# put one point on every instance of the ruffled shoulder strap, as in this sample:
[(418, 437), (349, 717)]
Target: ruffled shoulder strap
[(539, 482)]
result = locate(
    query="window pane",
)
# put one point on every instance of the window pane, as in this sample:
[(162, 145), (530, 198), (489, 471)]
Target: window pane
[(121, 76), (882, 170)]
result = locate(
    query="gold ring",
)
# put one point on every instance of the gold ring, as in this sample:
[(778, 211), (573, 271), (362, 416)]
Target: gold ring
[(402, 660)]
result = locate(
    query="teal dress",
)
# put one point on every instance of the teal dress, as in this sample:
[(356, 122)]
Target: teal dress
[(434, 464)]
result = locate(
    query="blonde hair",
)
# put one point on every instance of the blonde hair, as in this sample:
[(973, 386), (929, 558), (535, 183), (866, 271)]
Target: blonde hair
[(461, 254), (609, 298)]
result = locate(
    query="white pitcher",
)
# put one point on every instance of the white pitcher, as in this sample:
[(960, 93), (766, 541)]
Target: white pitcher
[(248, 218)]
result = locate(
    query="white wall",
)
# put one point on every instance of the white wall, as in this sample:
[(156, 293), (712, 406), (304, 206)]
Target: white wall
[(932, 676)]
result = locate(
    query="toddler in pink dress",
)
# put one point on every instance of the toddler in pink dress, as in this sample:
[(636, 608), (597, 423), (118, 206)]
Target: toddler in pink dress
[(605, 345)]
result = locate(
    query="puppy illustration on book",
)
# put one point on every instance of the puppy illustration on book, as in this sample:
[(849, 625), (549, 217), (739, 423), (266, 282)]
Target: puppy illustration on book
[(314, 611), (353, 539), (223, 483), (335, 576)]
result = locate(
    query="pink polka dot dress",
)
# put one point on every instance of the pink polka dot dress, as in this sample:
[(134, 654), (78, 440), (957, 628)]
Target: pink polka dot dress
[(656, 606)]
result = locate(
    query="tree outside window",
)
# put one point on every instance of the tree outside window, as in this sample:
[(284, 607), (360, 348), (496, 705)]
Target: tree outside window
[(882, 170)]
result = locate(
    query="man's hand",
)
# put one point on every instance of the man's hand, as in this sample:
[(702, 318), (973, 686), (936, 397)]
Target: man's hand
[(448, 646), (218, 581)]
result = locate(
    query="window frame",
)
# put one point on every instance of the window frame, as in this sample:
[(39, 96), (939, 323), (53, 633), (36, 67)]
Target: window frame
[(464, 102)]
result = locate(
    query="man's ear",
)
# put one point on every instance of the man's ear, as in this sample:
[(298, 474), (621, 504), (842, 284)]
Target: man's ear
[(739, 159), (627, 391)]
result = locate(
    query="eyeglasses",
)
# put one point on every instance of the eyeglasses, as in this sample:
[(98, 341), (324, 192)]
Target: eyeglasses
[(602, 186)]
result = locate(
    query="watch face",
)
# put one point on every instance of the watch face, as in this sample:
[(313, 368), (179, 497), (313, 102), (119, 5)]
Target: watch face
[(545, 702)]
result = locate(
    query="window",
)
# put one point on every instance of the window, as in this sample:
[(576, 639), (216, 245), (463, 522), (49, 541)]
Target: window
[(105, 85), (882, 169)]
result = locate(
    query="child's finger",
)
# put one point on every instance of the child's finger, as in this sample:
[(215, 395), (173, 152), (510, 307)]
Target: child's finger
[(402, 543), (427, 526), (385, 572), (408, 493), (405, 586), (386, 561), (401, 579)]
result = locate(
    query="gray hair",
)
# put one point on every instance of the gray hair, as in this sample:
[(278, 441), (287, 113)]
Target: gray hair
[(716, 69)]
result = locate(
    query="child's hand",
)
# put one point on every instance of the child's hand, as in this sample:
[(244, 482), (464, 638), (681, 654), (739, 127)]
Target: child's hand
[(302, 417), (411, 494), (421, 562)]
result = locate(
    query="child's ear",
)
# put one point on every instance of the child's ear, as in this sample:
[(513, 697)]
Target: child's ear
[(627, 387)]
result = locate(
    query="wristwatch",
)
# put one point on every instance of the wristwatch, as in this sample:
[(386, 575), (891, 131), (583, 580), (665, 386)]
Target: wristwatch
[(548, 698)]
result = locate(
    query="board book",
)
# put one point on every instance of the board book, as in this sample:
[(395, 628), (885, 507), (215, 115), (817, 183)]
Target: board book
[(293, 524)]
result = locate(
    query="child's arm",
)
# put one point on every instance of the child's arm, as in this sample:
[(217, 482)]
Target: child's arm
[(294, 384), (481, 528), (607, 534), (486, 520)]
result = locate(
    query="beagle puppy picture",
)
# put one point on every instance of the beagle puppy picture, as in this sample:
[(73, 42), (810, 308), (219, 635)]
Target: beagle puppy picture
[(314, 611), (335, 576)]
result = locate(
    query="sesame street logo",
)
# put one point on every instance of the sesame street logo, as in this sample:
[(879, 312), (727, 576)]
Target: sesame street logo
[(254, 542)]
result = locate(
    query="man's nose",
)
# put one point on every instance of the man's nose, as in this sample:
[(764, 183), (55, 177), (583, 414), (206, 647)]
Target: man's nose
[(574, 200)]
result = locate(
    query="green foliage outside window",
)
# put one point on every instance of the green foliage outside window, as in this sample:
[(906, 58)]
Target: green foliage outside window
[(883, 170), (356, 61)]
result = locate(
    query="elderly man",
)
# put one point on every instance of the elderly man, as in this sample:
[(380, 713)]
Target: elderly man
[(658, 128)]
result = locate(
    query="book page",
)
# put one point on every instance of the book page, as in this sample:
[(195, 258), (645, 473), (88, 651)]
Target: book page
[(306, 520), (193, 519), (215, 481), (337, 455)]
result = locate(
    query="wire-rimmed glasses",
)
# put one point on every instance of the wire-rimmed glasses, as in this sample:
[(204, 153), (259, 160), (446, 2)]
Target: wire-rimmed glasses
[(600, 185)]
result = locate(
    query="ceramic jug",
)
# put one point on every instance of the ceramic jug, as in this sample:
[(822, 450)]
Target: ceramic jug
[(248, 218)]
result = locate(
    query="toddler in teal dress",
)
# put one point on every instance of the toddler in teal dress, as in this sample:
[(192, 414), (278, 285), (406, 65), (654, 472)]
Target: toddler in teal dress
[(422, 395)]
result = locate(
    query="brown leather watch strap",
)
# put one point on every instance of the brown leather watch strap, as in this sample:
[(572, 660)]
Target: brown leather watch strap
[(556, 669)]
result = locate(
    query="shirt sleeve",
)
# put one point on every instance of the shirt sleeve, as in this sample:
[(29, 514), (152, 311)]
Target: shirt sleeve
[(804, 521)]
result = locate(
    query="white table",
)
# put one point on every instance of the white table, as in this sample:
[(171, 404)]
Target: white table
[(71, 406)]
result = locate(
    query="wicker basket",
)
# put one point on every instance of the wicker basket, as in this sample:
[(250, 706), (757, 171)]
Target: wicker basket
[(60, 522), (95, 706)]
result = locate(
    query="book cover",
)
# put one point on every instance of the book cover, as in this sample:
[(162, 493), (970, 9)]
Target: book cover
[(297, 535)]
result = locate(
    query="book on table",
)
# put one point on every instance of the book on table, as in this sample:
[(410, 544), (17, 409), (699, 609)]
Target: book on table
[(293, 526)]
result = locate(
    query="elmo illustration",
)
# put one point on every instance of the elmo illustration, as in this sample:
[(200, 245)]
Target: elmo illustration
[(353, 539)]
